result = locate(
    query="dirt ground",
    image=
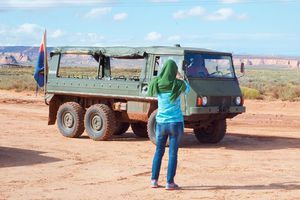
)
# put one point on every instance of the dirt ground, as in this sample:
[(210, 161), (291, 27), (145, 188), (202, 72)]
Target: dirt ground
[(259, 158)]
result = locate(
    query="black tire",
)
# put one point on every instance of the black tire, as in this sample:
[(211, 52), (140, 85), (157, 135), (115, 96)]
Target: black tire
[(151, 126), (140, 129), (99, 122), (121, 127), (214, 133), (70, 119)]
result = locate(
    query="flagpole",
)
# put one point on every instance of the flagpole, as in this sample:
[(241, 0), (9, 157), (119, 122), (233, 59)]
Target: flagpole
[(45, 62)]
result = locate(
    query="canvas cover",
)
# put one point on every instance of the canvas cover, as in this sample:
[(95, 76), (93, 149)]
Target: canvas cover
[(123, 51)]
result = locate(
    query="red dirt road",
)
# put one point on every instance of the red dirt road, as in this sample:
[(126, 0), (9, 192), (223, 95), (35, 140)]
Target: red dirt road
[(259, 158)]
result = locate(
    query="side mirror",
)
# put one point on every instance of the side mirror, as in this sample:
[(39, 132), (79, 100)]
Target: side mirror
[(242, 68)]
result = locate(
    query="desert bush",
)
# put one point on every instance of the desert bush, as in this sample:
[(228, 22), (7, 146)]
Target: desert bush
[(18, 79), (273, 83), (250, 93), (286, 92)]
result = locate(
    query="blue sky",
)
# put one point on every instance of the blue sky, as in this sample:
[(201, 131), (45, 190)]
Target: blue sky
[(265, 27)]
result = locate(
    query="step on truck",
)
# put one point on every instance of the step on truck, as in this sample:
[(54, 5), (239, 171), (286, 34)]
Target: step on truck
[(103, 90)]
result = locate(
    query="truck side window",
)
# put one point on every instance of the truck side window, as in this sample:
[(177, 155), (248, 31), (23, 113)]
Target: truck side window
[(80, 66), (156, 65), (160, 60), (126, 69)]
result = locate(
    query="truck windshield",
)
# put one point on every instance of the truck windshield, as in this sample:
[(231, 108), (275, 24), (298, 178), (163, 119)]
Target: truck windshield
[(208, 66)]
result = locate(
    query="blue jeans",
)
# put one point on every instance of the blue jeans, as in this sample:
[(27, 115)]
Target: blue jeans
[(164, 130)]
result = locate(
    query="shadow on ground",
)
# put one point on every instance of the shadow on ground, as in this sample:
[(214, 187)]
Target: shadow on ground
[(12, 157), (234, 141), (272, 186), (247, 142), (126, 137)]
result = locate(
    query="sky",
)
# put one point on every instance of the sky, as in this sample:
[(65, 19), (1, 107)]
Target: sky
[(257, 27)]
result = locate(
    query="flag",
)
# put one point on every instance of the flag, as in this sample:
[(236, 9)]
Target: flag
[(41, 63)]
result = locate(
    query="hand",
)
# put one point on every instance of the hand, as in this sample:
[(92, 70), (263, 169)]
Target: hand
[(179, 76)]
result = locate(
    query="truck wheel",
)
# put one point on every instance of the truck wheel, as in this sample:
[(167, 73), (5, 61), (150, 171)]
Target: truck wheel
[(140, 129), (121, 128), (214, 133), (151, 125), (70, 119), (99, 122)]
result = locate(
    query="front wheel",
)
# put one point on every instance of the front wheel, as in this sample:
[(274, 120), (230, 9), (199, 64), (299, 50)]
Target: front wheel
[(214, 133), (151, 128)]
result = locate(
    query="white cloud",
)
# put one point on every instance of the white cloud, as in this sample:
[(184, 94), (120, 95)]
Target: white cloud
[(32, 4), (30, 28), (57, 33), (120, 16), (97, 12), (231, 1), (153, 36), (221, 14), (174, 38), (242, 16), (31, 35), (195, 11), (84, 38)]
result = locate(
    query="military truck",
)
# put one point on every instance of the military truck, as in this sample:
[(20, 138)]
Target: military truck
[(103, 90)]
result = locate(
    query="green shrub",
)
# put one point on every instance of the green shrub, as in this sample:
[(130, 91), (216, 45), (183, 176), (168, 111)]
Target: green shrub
[(250, 93)]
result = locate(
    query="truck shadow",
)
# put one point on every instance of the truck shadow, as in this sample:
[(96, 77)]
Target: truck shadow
[(13, 157), (128, 136), (235, 141), (247, 142), (272, 186)]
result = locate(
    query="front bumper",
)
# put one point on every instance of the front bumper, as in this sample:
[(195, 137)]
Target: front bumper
[(216, 109)]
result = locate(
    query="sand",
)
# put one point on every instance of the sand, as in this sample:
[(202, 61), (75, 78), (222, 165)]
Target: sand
[(259, 158)]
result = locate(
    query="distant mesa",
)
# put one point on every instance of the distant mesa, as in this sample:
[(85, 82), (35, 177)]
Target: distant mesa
[(27, 56), (292, 63), (7, 60)]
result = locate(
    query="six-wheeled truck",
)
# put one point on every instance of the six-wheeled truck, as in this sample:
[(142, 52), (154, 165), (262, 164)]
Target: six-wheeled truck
[(103, 90)]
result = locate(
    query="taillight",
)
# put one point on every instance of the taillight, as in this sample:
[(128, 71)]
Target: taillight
[(199, 101), (202, 101)]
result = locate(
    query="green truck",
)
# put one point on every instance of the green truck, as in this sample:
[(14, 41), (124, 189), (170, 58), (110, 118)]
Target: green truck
[(103, 90)]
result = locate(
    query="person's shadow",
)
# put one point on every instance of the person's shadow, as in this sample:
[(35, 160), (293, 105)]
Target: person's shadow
[(12, 157)]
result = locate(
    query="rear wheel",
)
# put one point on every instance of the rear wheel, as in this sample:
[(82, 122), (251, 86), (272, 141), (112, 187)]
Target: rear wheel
[(70, 119), (99, 122), (121, 127), (140, 129), (214, 133)]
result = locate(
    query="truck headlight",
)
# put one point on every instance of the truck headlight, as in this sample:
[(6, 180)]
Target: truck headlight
[(238, 101), (202, 101)]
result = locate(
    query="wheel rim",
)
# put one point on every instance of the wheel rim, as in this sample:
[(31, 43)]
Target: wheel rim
[(96, 123), (68, 120)]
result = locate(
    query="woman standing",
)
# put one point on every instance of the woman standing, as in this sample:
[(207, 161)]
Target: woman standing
[(169, 119)]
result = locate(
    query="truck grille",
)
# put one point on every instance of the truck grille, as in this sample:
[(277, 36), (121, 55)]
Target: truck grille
[(219, 101)]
